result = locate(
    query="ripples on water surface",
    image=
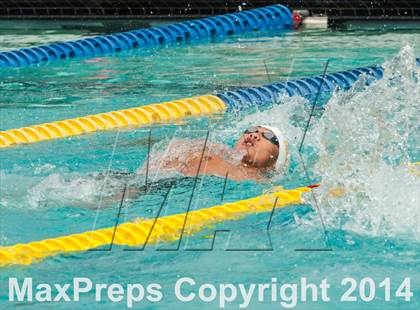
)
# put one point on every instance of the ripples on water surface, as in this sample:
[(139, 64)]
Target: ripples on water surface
[(362, 142)]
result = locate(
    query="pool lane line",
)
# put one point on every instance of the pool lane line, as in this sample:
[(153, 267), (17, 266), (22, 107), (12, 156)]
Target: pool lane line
[(166, 112), (196, 30), (196, 106), (127, 118), (308, 88), (153, 231)]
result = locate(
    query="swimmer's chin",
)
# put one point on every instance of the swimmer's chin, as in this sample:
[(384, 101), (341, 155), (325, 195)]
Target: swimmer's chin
[(243, 149), (238, 155)]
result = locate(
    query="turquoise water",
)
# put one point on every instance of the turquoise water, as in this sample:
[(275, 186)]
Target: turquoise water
[(53, 188)]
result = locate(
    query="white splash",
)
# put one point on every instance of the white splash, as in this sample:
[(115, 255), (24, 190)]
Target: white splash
[(69, 189), (366, 140)]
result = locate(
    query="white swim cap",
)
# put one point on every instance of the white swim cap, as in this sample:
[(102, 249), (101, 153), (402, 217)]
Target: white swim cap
[(282, 158)]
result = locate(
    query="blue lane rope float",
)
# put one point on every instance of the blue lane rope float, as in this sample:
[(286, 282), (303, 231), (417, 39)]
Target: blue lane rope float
[(190, 107), (266, 18), (305, 87)]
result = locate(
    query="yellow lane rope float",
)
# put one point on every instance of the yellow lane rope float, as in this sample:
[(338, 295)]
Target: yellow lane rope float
[(133, 117), (165, 229)]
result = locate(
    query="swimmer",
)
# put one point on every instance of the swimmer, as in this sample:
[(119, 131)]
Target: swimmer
[(259, 151), (262, 149)]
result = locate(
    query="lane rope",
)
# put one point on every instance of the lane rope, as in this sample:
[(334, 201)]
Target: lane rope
[(228, 101), (133, 117), (267, 18), (165, 229)]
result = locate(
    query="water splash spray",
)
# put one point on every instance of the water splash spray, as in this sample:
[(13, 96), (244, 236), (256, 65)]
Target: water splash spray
[(366, 138)]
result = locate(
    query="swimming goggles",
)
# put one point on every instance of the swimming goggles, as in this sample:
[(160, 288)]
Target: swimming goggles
[(268, 135)]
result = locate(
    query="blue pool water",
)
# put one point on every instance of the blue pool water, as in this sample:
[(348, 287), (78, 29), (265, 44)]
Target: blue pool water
[(362, 142)]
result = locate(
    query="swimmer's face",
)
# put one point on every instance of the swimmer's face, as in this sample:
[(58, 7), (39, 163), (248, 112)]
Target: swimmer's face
[(260, 151)]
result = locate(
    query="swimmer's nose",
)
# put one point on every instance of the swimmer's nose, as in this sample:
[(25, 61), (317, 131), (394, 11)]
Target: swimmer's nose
[(252, 137)]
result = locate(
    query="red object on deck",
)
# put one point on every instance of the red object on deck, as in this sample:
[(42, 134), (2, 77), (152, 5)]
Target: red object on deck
[(297, 20)]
